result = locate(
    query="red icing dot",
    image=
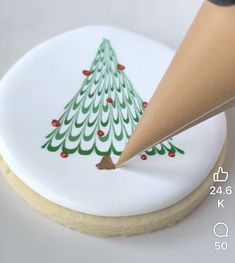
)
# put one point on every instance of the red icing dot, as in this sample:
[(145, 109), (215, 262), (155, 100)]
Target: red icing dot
[(64, 154), (145, 104), (100, 133), (120, 67), (143, 157), (109, 100), (55, 123), (86, 72), (171, 154)]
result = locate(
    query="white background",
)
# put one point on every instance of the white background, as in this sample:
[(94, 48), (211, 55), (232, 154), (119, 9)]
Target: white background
[(27, 236)]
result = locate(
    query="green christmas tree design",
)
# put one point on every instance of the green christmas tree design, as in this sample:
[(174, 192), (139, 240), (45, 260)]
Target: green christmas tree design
[(102, 115)]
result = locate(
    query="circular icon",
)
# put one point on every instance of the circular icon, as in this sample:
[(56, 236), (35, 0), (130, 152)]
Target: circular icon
[(220, 229)]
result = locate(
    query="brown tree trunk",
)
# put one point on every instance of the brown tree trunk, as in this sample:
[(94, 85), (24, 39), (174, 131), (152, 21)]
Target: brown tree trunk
[(106, 163)]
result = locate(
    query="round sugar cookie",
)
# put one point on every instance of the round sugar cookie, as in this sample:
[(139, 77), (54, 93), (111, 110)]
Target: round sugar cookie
[(67, 109)]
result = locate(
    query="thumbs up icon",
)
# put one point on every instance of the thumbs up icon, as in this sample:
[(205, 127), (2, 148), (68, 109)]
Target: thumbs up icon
[(220, 176)]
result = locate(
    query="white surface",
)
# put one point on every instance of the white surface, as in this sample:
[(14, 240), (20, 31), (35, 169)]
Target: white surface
[(42, 83), (24, 23), (25, 235)]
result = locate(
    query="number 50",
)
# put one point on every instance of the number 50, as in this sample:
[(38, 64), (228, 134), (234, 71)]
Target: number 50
[(221, 245)]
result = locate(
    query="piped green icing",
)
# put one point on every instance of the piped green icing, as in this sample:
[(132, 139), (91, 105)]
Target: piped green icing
[(88, 109)]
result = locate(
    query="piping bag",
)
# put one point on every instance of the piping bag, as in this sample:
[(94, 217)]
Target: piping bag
[(198, 84)]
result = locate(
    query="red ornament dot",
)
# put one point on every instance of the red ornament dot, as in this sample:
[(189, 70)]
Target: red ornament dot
[(86, 72), (100, 133), (109, 100), (171, 154), (143, 157), (55, 123), (120, 67), (64, 154), (145, 104)]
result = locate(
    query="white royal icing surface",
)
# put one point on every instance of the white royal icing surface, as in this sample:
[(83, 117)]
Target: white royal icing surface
[(37, 88)]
